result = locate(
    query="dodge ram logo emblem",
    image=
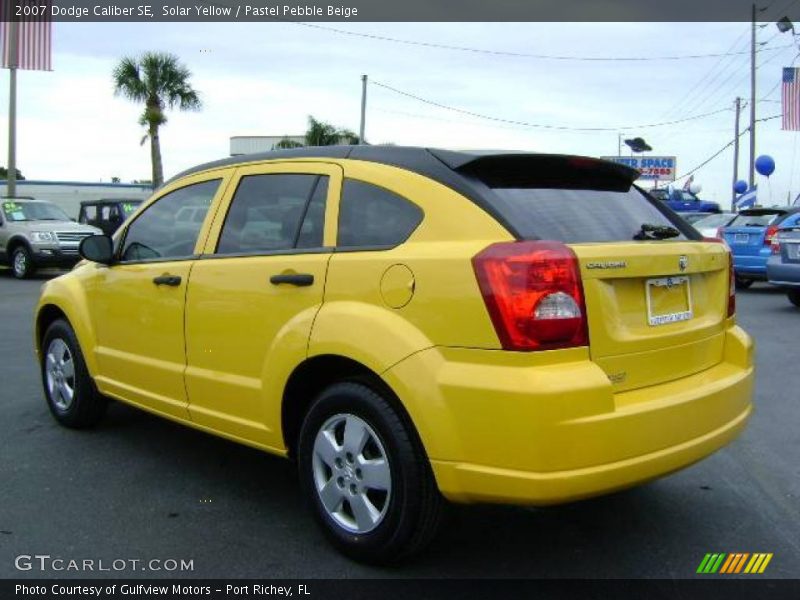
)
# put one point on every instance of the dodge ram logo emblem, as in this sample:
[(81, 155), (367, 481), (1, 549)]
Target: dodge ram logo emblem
[(683, 263)]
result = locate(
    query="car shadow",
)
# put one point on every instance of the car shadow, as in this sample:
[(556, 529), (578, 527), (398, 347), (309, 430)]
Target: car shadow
[(613, 532)]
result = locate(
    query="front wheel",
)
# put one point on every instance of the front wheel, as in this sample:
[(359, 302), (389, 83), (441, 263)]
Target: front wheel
[(794, 297), (366, 476), (22, 263), (68, 387)]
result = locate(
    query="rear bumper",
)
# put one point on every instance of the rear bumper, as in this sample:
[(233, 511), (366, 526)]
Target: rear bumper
[(751, 266), (783, 274), (547, 434), (482, 483)]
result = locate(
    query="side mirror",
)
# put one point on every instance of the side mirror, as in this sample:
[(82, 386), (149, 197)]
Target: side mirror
[(97, 248)]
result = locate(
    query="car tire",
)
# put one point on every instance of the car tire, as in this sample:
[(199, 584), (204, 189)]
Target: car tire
[(794, 297), (742, 283), (69, 389), (22, 265), (366, 476)]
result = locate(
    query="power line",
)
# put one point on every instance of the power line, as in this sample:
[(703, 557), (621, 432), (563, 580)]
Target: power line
[(541, 125), (383, 38), (708, 78), (725, 147)]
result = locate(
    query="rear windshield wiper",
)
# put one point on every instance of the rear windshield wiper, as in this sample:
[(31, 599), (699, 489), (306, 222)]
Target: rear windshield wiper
[(656, 232)]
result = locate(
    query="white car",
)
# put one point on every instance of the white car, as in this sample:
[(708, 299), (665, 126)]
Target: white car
[(709, 225)]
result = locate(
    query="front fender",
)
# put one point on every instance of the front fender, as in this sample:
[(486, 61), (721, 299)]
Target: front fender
[(68, 295)]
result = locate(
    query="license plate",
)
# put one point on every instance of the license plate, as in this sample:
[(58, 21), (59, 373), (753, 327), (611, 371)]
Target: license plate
[(741, 238), (793, 251), (669, 300)]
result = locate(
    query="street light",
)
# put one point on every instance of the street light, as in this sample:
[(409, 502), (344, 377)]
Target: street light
[(785, 25)]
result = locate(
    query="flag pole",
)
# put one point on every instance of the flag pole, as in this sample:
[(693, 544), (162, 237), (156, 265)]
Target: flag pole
[(13, 59)]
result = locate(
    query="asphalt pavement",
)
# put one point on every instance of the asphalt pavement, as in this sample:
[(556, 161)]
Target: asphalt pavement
[(139, 488)]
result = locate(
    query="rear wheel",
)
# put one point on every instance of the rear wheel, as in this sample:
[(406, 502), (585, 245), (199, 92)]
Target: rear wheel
[(68, 387), (365, 474), (742, 283), (794, 297), (22, 263)]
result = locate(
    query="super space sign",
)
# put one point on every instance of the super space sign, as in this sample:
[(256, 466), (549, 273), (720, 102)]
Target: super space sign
[(651, 167)]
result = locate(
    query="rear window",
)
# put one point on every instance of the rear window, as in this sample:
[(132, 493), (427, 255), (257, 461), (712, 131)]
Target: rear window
[(755, 220), (580, 215)]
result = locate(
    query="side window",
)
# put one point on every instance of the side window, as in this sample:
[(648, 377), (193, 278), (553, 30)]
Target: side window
[(158, 234), (89, 214), (373, 216), (267, 211)]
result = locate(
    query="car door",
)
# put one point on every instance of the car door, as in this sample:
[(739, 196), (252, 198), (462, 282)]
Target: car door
[(254, 293), (137, 303)]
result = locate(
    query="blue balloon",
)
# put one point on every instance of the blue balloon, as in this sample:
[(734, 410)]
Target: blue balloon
[(765, 165), (740, 187)]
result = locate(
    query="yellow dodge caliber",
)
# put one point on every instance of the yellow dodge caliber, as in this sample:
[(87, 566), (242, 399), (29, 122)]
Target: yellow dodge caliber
[(410, 325)]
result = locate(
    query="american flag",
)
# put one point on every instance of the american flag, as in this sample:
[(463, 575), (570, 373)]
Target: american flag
[(791, 99), (34, 36)]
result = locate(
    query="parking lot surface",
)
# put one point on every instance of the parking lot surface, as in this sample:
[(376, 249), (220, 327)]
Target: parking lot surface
[(142, 488)]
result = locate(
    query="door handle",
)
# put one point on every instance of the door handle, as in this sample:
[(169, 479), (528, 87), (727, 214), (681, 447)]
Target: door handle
[(298, 279), (171, 280)]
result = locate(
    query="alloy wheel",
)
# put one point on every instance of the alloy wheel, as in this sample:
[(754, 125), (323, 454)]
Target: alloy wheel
[(352, 473), (60, 374)]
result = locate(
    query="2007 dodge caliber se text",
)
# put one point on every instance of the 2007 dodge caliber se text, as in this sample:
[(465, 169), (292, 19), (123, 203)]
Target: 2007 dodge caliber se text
[(411, 325)]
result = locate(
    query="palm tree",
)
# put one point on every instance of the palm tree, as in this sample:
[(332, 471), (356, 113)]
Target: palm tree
[(325, 134), (159, 81)]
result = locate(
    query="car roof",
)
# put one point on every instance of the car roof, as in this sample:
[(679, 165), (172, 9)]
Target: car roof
[(432, 162), (774, 210)]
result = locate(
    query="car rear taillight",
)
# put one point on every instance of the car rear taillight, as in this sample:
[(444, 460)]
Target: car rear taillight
[(534, 295), (770, 234), (775, 246), (731, 276)]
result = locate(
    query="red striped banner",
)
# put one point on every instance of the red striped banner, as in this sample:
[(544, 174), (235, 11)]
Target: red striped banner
[(34, 35), (790, 99)]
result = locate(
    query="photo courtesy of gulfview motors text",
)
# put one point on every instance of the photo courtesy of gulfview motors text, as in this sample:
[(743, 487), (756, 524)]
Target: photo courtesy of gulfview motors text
[(149, 590)]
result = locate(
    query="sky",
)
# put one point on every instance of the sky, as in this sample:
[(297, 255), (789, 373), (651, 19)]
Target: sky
[(267, 78)]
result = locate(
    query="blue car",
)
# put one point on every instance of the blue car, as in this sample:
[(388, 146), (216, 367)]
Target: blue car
[(783, 267), (750, 236), (684, 201)]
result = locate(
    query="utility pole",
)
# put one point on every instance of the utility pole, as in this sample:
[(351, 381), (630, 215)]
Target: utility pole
[(753, 99), (363, 109), (13, 59), (735, 154)]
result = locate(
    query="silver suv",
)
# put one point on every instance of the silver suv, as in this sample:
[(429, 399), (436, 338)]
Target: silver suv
[(36, 234)]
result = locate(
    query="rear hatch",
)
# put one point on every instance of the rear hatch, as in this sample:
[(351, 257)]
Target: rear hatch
[(656, 294), (789, 240), (746, 234)]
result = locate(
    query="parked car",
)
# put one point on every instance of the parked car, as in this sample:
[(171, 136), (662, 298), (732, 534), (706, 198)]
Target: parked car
[(411, 325), (750, 237), (35, 233), (783, 267), (107, 214), (691, 217), (709, 225), (684, 201)]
